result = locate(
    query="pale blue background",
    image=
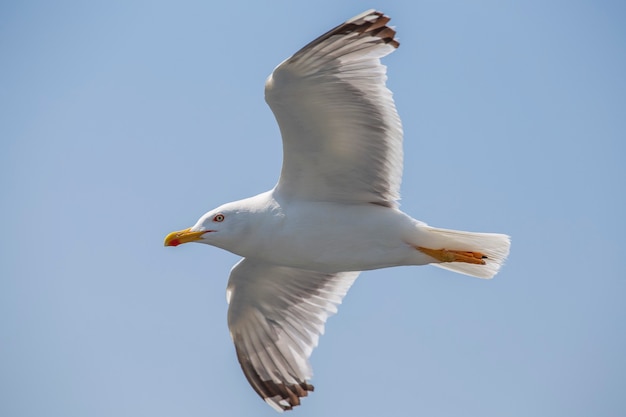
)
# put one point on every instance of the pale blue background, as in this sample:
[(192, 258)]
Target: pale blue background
[(122, 121)]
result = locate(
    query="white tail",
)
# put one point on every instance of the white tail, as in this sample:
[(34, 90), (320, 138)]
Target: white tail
[(493, 245)]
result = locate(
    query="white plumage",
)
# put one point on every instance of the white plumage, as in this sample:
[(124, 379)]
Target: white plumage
[(333, 212)]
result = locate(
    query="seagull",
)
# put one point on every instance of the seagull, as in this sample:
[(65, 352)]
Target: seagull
[(333, 213)]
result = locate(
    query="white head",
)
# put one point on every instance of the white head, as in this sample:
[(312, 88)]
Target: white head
[(225, 227)]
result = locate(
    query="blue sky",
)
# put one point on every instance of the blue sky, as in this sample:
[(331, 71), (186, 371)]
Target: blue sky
[(123, 121)]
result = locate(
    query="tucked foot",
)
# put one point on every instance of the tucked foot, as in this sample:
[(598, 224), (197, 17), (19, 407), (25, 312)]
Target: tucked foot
[(445, 255)]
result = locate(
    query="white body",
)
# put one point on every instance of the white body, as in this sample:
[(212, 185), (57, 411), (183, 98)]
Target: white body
[(360, 237), (331, 238)]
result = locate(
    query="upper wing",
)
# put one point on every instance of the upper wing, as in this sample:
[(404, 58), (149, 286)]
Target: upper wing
[(342, 137), (276, 315)]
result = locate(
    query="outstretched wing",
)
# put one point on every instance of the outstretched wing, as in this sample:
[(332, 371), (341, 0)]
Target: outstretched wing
[(342, 137), (275, 317)]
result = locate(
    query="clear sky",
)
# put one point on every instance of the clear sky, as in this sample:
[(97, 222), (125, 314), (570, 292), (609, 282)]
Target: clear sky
[(123, 121)]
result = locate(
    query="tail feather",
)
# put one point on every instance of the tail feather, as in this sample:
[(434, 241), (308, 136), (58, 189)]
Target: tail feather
[(495, 246)]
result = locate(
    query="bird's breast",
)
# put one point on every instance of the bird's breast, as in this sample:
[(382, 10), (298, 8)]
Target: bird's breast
[(332, 237)]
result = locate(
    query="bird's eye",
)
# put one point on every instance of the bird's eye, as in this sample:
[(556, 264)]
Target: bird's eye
[(218, 218)]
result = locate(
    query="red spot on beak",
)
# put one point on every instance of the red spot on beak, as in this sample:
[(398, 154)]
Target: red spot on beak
[(183, 236)]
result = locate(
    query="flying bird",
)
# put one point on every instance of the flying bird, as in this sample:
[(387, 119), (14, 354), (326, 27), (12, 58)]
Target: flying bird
[(333, 213)]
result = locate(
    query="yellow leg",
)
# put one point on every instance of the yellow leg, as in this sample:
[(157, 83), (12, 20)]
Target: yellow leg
[(445, 255)]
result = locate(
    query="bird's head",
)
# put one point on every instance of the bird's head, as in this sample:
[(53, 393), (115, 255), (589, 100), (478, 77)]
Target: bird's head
[(221, 227)]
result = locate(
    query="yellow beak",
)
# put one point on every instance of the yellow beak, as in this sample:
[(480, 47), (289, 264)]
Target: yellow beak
[(182, 236)]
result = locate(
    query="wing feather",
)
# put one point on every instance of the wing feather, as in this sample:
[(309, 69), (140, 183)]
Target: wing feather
[(342, 136), (276, 316)]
